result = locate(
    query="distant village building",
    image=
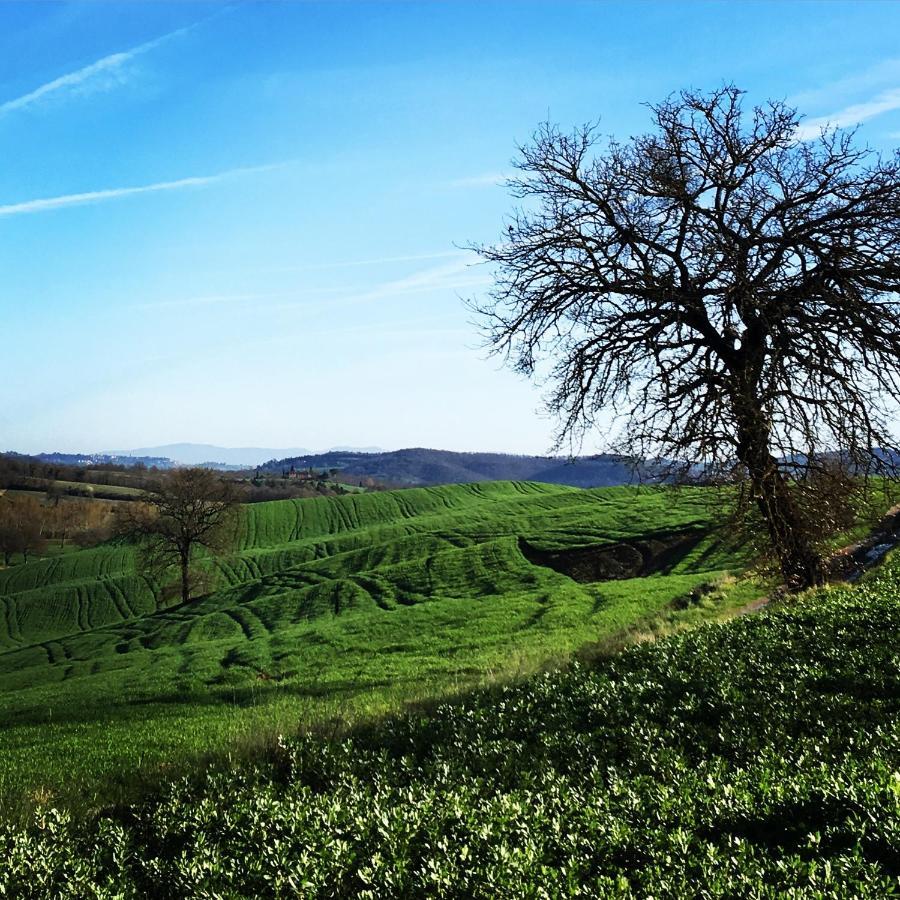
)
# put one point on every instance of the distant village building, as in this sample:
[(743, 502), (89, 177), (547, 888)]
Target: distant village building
[(307, 474)]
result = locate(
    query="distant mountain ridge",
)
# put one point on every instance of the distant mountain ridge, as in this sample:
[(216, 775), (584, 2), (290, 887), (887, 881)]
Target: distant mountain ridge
[(86, 460), (421, 466), (188, 454), (209, 454)]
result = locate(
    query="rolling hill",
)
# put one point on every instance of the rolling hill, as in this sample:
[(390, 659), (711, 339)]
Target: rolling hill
[(187, 454), (421, 466), (329, 606), (753, 759)]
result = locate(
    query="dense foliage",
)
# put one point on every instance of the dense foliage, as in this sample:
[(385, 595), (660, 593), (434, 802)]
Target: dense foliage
[(757, 759)]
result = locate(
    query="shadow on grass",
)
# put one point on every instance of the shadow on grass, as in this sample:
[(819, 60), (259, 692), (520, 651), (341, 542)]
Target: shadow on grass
[(655, 554)]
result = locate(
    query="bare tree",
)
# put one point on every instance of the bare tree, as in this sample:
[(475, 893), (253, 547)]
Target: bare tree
[(10, 536), (186, 510), (727, 283), (22, 523), (31, 532), (69, 517)]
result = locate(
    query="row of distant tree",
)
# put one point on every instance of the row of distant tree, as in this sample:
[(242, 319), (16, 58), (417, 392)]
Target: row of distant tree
[(29, 522), (42, 503), (59, 480), (291, 483), (26, 473)]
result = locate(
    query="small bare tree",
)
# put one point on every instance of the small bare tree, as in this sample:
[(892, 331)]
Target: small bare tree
[(10, 534), (187, 509), (728, 283), (22, 521)]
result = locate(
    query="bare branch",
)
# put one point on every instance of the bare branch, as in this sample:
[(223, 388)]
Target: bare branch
[(731, 289)]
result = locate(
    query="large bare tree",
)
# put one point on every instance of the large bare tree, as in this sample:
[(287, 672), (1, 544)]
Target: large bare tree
[(185, 510), (727, 283)]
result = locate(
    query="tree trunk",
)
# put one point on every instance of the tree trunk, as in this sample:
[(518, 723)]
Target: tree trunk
[(185, 576), (801, 564)]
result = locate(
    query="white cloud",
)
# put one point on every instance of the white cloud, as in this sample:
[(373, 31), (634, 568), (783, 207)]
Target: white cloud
[(884, 102), (377, 261), (46, 203), (204, 300), (880, 75), (448, 277), (434, 276), (82, 78), (488, 179)]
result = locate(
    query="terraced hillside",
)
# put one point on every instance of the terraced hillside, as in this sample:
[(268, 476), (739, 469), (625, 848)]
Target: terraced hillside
[(328, 607)]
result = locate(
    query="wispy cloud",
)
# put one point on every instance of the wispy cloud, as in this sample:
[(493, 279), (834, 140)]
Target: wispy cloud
[(375, 261), (488, 179), (431, 277), (878, 76), (90, 75), (454, 276), (205, 300), (448, 277), (46, 203), (886, 101)]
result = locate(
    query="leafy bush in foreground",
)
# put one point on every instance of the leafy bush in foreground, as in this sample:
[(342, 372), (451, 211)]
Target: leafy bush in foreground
[(755, 759)]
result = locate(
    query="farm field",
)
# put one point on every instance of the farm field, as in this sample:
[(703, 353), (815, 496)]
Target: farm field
[(111, 492), (760, 757), (330, 610)]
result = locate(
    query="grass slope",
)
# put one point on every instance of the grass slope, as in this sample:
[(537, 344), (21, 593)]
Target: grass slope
[(328, 608), (760, 758)]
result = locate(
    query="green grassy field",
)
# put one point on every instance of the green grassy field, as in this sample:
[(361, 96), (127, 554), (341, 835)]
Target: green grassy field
[(757, 758), (80, 489), (328, 610)]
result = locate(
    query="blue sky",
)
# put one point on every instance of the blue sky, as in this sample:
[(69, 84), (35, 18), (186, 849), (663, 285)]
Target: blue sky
[(238, 224)]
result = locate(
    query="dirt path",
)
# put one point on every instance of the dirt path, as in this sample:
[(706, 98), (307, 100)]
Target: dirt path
[(864, 554), (848, 563)]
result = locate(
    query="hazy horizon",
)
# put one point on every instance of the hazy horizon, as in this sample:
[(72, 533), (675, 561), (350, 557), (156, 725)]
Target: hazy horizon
[(240, 225), (277, 452)]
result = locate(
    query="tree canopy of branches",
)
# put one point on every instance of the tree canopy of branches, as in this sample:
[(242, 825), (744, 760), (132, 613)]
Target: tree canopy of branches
[(185, 510), (21, 527), (726, 283)]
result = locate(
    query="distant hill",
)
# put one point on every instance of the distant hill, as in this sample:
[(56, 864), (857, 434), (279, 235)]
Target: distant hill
[(211, 455), (86, 460), (420, 466), (355, 450)]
